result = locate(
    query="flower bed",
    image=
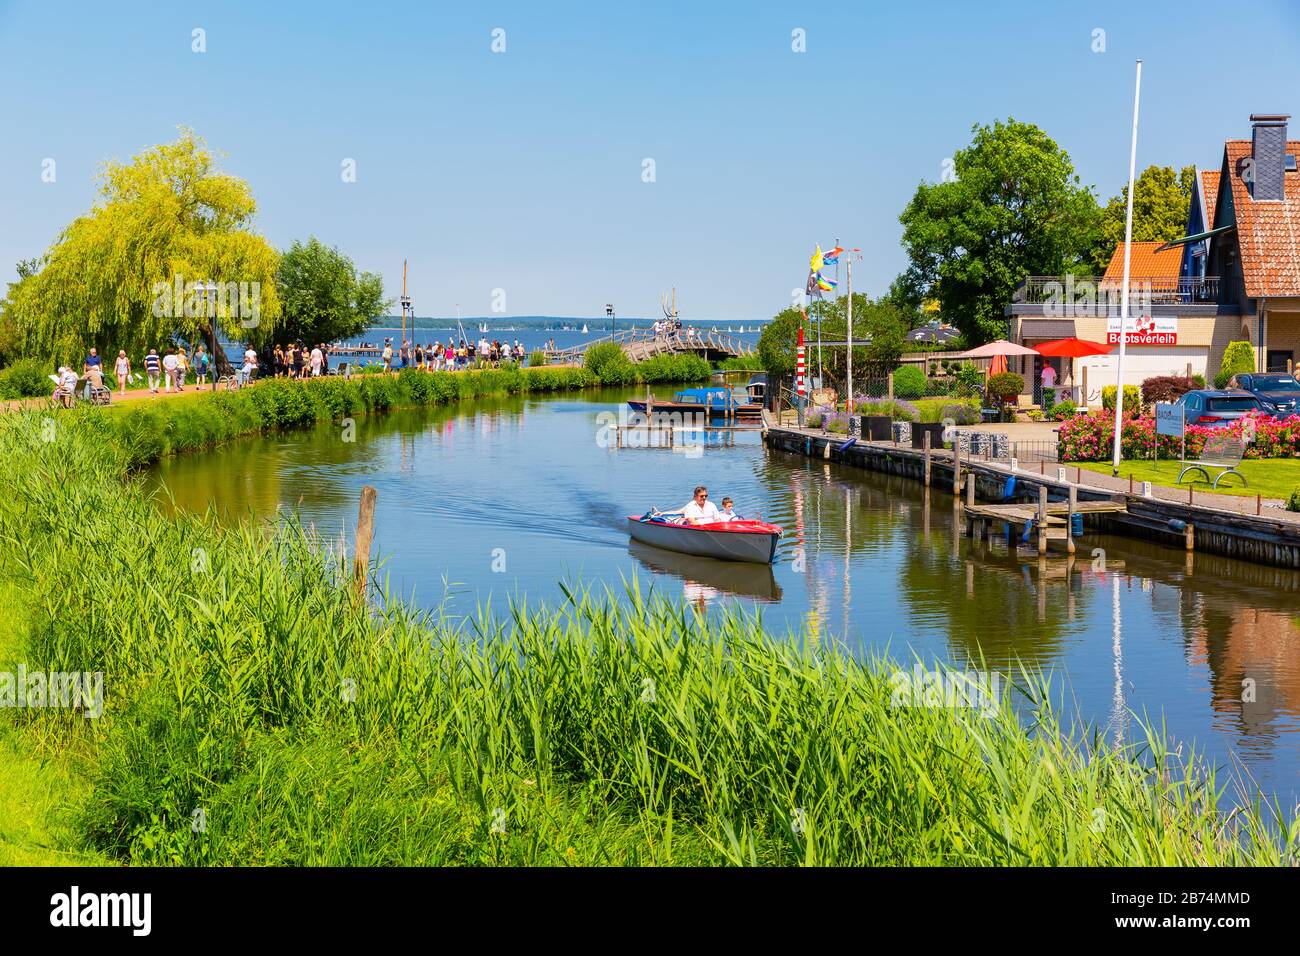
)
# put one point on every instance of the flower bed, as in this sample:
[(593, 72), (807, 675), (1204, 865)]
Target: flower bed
[(1091, 438)]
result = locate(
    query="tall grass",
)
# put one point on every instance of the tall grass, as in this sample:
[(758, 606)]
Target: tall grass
[(257, 713)]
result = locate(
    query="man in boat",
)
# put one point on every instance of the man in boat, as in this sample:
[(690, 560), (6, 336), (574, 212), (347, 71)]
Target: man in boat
[(699, 510)]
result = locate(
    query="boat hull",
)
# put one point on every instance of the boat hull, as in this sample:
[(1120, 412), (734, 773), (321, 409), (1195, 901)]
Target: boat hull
[(716, 413), (752, 542)]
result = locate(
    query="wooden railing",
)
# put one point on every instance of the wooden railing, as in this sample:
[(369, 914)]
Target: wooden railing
[(644, 343)]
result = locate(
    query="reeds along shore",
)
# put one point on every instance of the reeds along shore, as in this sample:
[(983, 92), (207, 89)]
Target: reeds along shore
[(254, 712)]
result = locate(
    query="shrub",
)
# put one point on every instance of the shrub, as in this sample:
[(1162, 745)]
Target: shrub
[(609, 363), (1237, 357), (1064, 410), (1293, 503), (673, 368), (961, 413), (899, 411), (27, 378), (537, 359), (1006, 385), (1132, 399), (1164, 388), (1198, 380), (910, 382), (968, 377)]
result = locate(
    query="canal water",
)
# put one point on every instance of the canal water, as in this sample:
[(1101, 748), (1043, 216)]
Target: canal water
[(513, 497)]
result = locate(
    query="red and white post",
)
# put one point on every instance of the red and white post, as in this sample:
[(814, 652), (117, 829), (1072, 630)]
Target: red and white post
[(800, 375)]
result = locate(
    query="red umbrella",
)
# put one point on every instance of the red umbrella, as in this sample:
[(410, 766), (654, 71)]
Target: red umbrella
[(1073, 348)]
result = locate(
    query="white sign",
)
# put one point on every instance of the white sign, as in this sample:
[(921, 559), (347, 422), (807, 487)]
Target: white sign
[(1170, 419), (1144, 330)]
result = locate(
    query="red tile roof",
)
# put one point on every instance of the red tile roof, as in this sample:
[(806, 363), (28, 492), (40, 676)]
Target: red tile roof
[(1145, 265), (1210, 193), (1268, 233)]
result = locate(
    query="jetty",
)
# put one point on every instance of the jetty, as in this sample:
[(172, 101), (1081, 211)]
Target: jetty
[(642, 344), (990, 491)]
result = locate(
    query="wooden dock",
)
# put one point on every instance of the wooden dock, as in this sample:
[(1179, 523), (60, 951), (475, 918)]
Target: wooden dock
[(1049, 520)]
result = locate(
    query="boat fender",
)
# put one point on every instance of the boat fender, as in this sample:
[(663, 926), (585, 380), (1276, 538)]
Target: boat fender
[(1010, 488), (1029, 525), (847, 445), (1176, 524)]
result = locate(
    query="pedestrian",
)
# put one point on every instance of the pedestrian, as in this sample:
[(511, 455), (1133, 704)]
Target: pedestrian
[(202, 362), (122, 369), (152, 370), (387, 355), (317, 356), (169, 368)]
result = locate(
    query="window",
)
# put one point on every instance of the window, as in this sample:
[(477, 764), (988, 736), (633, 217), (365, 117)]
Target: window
[(1242, 404)]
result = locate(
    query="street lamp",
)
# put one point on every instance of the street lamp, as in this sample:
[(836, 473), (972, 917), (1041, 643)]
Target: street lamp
[(613, 320)]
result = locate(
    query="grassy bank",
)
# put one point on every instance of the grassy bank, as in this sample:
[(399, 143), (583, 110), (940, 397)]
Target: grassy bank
[(255, 713)]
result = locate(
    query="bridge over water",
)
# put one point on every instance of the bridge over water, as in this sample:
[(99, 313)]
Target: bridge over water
[(642, 344)]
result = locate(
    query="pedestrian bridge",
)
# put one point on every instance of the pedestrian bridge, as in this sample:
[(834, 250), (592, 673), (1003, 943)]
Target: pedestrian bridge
[(641, 344)]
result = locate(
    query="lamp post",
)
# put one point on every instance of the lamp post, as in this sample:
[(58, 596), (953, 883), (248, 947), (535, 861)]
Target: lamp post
[(613, 320), (1128, 248)]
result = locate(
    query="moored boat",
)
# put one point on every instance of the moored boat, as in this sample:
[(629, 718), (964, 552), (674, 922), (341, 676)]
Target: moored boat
[(717, 402), (741, 540)]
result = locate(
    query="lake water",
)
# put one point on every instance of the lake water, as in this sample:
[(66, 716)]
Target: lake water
[(513, 496)]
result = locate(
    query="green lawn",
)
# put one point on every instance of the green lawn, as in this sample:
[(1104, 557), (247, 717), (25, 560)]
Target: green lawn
[(1270, 477)]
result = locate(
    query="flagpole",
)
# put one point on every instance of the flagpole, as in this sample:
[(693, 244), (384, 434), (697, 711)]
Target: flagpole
[(1128, 252), (848, 273)]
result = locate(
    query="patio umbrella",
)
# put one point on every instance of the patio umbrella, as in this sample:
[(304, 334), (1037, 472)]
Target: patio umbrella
[(1072, 348), (998, 365), (1000, 347)]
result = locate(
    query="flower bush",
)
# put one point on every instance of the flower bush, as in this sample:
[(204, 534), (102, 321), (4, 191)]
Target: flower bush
[(1091, 437)]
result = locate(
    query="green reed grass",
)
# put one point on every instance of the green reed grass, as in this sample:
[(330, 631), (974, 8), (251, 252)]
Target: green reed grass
[(246, 688)]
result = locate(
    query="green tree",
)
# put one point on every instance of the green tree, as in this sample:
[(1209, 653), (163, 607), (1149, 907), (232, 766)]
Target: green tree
[(322, 296), (1015, 209), (1160, 202), (10, 333), (167, 219), (879, 331)]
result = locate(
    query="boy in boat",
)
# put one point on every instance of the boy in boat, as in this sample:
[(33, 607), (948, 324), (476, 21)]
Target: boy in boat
[(700, 510), (726, 514)]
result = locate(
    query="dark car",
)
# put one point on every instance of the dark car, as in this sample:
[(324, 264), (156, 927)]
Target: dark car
[(1278, 391), (1215, 407)]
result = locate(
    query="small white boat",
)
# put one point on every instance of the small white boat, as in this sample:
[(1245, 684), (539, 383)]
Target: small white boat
[(584, 328), (749, 541)]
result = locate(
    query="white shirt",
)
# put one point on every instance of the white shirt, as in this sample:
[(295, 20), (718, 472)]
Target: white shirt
[(707, 513), (316, 358), (250, 357), (169, 361), (1049, 376), (727, 515)]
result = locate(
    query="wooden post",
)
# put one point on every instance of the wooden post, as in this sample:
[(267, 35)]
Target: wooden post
[(926, 440), (956, 466), (1042, 519), (1083, 392), (1189, 537), (1069, 520), (970, 489), (365, 533), (891, 386)]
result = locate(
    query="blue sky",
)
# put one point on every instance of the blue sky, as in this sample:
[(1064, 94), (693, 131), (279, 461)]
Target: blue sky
[(522, 170)]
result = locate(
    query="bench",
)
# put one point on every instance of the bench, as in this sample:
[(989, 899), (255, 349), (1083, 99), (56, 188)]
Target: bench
[(1223, 452)]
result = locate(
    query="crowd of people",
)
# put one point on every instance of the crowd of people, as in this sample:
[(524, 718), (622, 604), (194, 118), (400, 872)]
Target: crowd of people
[(167, 372), (437, 357)]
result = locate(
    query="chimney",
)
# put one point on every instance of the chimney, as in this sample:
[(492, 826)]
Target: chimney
[(1268, 150)]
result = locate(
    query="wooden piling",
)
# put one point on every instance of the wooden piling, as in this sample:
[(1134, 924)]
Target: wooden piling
[(956, 466), (1042, 519), (926, 439), (970, 489), (365, 534), (1069, 520)]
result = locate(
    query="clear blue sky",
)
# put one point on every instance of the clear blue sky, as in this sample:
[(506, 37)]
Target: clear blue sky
[(523, 170)]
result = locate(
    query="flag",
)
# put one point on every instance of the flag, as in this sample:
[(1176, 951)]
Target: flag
[(832, 257), (815, 263), (825, 284), (813, 290)]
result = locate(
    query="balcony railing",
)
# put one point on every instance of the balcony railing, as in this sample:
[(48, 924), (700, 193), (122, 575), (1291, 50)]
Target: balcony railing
[(1073, 292)]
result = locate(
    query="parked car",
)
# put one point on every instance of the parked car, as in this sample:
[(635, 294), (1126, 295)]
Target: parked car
[(1278, 391), (1218, 407)]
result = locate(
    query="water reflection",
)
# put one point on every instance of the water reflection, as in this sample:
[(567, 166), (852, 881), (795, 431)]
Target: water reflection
[(873, 561)]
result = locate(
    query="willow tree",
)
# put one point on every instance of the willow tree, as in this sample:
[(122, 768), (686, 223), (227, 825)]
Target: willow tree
[(167, 249)]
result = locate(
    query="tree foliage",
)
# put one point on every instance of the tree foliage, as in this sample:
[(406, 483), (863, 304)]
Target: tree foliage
[(879, 329), (1161, 198), (1015, 209), (322, 296), (167, 214)]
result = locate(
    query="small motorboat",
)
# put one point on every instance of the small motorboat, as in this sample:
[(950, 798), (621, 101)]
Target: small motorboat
[(715, 402), (740, 540)]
